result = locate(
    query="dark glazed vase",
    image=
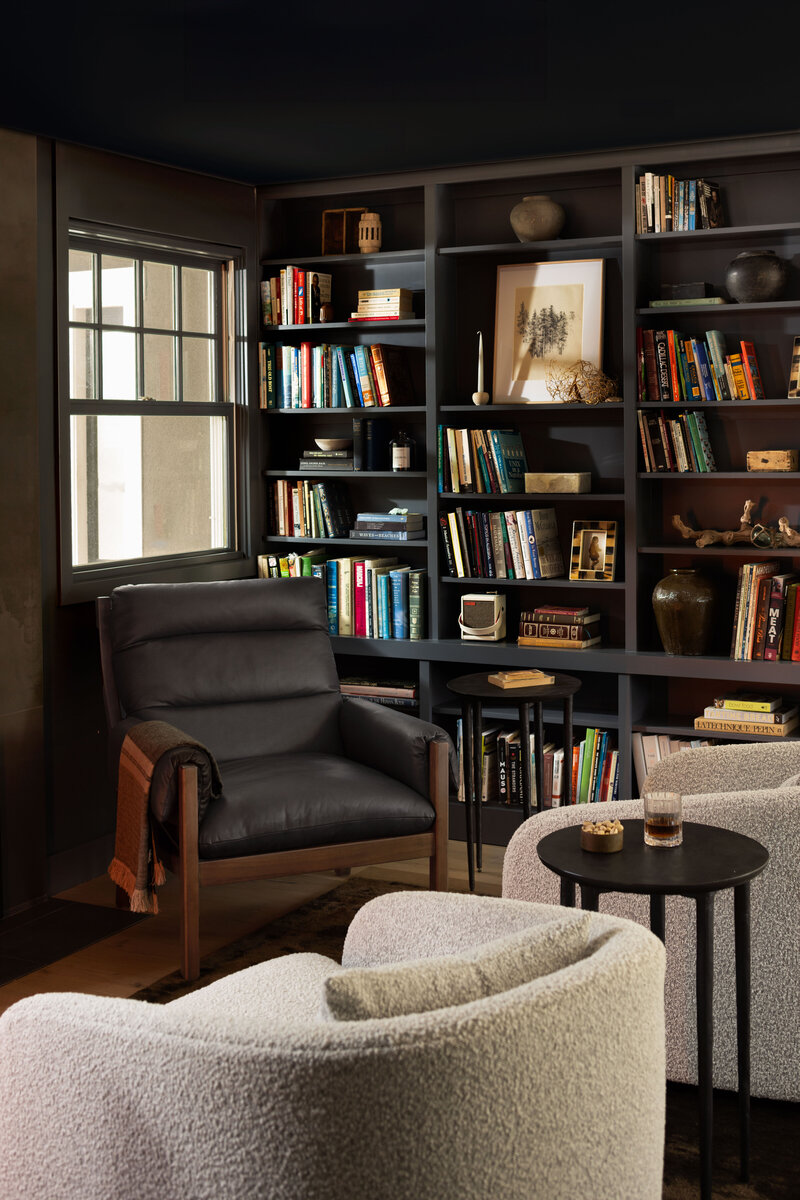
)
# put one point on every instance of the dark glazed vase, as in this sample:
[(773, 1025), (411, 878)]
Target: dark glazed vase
[(684, 603), (537, 219), (756, 276)]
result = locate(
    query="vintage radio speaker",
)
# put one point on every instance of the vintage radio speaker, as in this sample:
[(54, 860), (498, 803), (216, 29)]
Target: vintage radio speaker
[(483, 617)]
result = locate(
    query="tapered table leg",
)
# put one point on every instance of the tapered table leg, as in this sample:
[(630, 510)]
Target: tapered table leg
[(590, 898), (477, 752), (466, 741), (705, 1034), (657, 915), (741, 920), (567, 898), (525, 756)]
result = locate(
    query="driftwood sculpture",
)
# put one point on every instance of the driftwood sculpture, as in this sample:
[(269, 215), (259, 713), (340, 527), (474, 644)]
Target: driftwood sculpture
[(757, 535)]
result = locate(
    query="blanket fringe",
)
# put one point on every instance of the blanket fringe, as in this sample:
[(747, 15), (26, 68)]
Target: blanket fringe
[(141, 900)]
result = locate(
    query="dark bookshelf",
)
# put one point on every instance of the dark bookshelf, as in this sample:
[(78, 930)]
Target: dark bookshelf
[(445, 233)]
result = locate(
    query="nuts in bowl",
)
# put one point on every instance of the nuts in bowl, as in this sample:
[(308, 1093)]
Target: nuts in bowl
[(602, 837)]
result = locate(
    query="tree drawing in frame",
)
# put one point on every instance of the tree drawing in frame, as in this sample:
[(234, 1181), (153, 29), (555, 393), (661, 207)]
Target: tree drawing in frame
[(548, 326), (547, 315)]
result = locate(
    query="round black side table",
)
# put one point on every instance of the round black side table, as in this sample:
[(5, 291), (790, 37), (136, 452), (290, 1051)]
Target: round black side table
[(709, 860), (474, 690)]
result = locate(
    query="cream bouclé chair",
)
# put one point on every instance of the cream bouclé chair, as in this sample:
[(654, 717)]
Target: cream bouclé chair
[(468, 1048), (754, 789)]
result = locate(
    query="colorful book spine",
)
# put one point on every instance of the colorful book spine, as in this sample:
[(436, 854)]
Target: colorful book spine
[(752, 373), (399, 600)]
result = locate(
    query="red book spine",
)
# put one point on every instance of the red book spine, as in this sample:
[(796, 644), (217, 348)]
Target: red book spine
[(750, 364), (359, 600), (576, 756), (795, 656), (300, 285)]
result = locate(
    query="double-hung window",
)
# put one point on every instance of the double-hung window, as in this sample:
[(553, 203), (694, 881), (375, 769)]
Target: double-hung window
[(156, 366)]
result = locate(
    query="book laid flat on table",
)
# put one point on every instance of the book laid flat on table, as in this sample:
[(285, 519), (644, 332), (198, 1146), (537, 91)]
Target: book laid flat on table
[(522, 678)]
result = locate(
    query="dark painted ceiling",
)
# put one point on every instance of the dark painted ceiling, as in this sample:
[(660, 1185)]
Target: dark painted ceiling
[(266, 92)]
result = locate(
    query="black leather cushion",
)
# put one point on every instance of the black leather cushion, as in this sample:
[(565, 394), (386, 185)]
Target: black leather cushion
[(245, 666), (288, 801)]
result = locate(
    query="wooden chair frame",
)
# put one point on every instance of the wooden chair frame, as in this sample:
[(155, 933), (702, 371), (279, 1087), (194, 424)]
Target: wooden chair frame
[(195, 872)]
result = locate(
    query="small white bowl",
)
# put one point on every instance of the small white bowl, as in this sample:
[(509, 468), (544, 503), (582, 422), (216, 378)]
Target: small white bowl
[(333, 443)]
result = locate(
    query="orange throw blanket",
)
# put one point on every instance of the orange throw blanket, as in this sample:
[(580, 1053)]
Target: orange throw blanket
[(135, 866)]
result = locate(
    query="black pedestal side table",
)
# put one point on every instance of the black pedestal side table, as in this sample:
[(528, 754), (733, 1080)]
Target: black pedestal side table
[(474, 690), (709, 860)]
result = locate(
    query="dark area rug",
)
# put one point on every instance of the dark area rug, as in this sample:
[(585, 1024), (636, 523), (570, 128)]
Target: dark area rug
[(321, 925), (53, 929)]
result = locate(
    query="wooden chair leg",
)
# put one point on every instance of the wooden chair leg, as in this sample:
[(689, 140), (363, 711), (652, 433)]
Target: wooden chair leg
[(440, 798), (189, 872)]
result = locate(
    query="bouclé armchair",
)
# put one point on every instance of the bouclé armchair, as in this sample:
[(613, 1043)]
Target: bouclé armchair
[(289, 776)]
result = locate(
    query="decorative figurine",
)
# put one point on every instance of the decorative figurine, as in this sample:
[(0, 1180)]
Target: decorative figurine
[(369, 233)]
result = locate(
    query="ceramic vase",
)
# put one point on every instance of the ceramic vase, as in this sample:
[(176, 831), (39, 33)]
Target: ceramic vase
[(537, 219), (685, 603), (756, 276)]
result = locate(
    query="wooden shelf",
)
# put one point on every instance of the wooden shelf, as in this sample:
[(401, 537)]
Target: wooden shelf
[(382, 257), (721, 310), (527, 409), (589, 719), (538, 497), (740, 407), (742, 550), (319, 330), (729, 233), (611, 242), (789, 476), (318, 476), (290, 539), (417, 410), (557, 583), (683, 727)]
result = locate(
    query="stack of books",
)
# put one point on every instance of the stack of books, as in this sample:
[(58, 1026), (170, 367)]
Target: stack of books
[(557, 627), (675, 443), (327, 460), (396, 693), (665, 204), (675, 367), (766, 622), (748, 712), (388, 527), (333, 376), (512, 544), (294, 297), (481, 460), (384, 304)]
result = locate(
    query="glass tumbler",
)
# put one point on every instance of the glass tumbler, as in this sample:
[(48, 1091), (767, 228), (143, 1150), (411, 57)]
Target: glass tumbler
[(663, 819)]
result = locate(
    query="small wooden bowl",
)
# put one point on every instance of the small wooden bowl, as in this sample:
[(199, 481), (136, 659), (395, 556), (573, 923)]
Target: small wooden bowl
[(601, 843)]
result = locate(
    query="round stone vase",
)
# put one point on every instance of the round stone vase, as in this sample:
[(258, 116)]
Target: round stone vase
[(537, 219), (756, 276), (685, 603)]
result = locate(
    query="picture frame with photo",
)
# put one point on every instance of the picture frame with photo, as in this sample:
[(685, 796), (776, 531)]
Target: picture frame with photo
[(594, 551), (547, 315)]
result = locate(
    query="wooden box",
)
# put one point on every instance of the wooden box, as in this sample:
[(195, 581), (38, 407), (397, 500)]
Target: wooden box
[(772, 460), (340, 230), (558, 481)]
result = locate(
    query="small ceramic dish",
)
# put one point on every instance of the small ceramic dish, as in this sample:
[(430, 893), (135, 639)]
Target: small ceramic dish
[(333, 443)]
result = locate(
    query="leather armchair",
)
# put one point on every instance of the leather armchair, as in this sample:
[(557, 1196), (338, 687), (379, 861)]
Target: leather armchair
[(311, 781)]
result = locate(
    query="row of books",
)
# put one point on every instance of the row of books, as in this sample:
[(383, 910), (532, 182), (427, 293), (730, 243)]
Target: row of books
[(333, 376), (395, 693), (594, 766), (665, 204), (384, 304), (766, 622), (674, 367), (294, 296), (514, 544), (554, 626), (366, 597), (679, 443), (480, 460), (749, 712), (650, 748), (310, 508)]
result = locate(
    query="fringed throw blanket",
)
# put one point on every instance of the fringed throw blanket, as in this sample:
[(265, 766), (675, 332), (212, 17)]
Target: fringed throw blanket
[(135, 866)]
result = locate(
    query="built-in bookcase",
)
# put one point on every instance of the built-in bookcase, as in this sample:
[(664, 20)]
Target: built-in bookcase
[(444, 235)]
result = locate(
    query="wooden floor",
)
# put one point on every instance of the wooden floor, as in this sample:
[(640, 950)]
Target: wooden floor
[(122, 964)]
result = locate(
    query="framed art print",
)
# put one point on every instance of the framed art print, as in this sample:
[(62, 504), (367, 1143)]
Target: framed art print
[(594, 551), (547, 314)]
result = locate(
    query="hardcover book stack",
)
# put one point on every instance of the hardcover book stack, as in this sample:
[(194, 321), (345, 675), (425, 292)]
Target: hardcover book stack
[(675, 367), (650, 748), (675, 443), (556, 627), (594, 765), (294, 296), (511, 544), (480, 460), (665, 204), (333, 376), (747, 712), (384, 304), (326, 460), (388, 527), (766, 622), (312, 509), (395, 693)]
